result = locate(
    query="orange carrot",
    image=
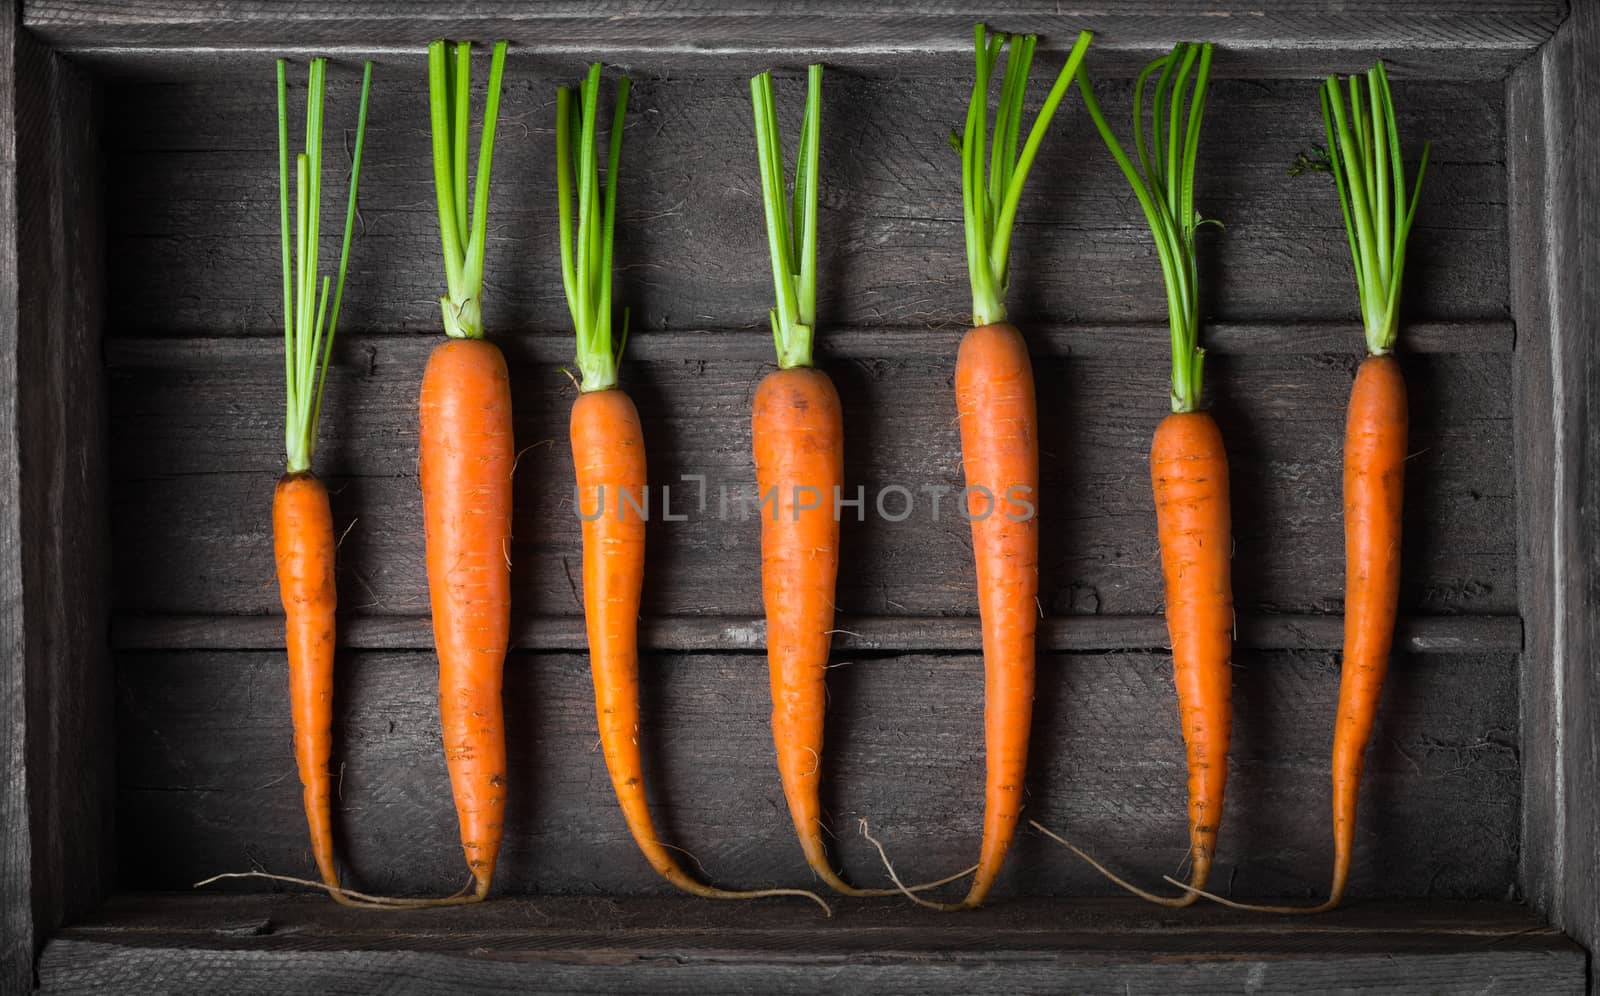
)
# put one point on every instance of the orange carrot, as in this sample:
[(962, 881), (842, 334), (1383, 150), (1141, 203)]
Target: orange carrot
[(302, 531), (1189, 473), (797, 434), (467, 460), (1000, 450), (1374, 478), (302, 522), (1188, 465)]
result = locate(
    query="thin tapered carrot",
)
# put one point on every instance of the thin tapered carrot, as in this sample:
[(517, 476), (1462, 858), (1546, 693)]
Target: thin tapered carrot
[(466, 465), (797, 436), (302, 531), (302, 521), (1000, 451), (1188, 464), (608, 456), (1365, 158), (1000, 434)]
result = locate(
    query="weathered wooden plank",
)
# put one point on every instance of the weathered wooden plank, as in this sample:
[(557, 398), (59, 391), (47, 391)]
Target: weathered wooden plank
[(361, 352), (1530, 164), (196, 451), (207, 782), (201, 255), (1426, 634), (56, 857), (1558, 396), (268, 943), (1461, 39)]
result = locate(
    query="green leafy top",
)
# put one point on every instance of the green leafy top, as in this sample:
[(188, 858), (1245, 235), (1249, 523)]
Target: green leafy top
[(1365, 158), (463, 233), (586, 255), (791, 224), (990, 203), (1165, 191), (308, 324)]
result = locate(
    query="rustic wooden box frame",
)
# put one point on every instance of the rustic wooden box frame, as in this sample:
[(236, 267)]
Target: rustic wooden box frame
[(57, 724)]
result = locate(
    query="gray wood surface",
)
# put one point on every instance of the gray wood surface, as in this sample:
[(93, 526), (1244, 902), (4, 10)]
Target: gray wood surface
[(1422, 634), (1451, 38), (194, 209), (57, 856), (204, 759), (1530, 163), (268, 944), (1557, 190)]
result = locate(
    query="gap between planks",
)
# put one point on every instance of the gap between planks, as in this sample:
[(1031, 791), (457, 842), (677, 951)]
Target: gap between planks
[(1225, 338), (954, 634)]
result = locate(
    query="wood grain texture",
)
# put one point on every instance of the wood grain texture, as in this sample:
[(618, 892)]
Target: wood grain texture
[(1558, 383), (262, 944), (57, 857), (1529, 165), (18, 937), (203, 758), (1452, 38), (196, 451), (194, 209), (1426, 634)]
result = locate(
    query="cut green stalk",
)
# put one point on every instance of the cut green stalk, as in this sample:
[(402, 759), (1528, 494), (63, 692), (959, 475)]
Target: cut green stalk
[(791, 221), (989, 204), (1165, 191), (309, 323), (1365, 157), (586, 251), (463, 234)]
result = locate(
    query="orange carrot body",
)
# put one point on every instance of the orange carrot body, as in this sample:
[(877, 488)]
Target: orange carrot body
[(1374, 481), (466, 463), (608, 455), (1189, 472), (797, 431), (1000, 451), (302, 533)]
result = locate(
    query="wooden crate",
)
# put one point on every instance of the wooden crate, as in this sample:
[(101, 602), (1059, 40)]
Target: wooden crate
[(142, 701)]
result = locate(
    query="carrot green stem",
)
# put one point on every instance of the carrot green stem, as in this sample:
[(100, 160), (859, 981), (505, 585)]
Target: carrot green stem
[(791, 223), (463, 233), (586, 253), (1163, 183), (989, 205), (309, 323), (1365, 157)]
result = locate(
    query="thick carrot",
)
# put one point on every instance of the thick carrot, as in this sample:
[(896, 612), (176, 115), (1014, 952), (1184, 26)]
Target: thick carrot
[(1000, 450), (302, 532), (466, 466), (1188, 465), (466, 463), (1189, 473)]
